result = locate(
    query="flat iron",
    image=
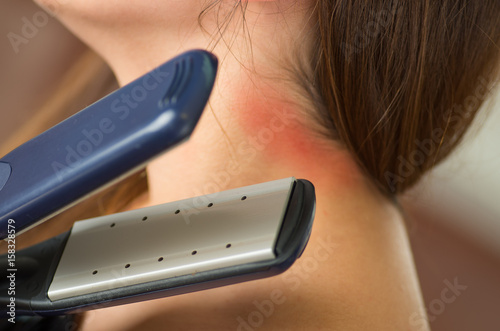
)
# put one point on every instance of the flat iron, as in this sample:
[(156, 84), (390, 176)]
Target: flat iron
[(179, 247)]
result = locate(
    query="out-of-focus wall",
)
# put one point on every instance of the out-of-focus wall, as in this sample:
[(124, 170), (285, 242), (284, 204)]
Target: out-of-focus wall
[(35, 50), (454, 225), (466, 187), (458, 277)]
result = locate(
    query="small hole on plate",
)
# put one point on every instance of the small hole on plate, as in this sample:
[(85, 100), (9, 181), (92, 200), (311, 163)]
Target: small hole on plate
[(194, 252), (210, 204), (160, 259), (94, 272), (228, 245), (112, 225), (177, 211), (127, 265), (144, 218), (243, 197)]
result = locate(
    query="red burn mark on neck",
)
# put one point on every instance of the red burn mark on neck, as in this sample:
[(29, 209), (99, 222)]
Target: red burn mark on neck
[(270, 122), (277, 129)]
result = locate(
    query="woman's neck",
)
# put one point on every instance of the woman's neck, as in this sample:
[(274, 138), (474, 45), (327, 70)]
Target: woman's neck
[(251, 132), (257, 125)]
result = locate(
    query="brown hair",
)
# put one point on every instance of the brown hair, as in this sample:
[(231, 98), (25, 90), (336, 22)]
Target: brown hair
[(400, 81)]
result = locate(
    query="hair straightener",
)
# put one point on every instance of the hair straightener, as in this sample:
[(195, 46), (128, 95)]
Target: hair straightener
[(179, 247)]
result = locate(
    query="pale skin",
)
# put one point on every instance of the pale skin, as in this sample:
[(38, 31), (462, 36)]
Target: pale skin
[(357, 272)]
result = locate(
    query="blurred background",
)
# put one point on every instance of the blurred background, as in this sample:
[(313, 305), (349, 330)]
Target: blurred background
[(453, 214)]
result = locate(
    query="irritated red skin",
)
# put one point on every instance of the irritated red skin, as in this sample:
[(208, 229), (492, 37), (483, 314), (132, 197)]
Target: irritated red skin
[(282, 133)]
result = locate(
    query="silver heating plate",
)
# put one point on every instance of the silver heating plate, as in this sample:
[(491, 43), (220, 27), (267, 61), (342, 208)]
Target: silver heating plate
[(179, 238)]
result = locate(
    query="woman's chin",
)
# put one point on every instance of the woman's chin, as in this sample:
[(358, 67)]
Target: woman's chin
[(126, 12)]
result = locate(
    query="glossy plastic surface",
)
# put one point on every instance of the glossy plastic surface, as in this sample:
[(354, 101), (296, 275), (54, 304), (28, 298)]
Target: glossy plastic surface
[(105, 141), (5, 171)]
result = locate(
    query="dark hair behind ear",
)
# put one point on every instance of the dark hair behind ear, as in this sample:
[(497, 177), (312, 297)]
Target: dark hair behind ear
[(400, 81)]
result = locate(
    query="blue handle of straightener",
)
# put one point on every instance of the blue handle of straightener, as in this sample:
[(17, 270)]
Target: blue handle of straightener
[(105, 141)]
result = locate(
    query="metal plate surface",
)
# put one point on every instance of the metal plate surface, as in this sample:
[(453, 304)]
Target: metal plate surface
[(185, 237)]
